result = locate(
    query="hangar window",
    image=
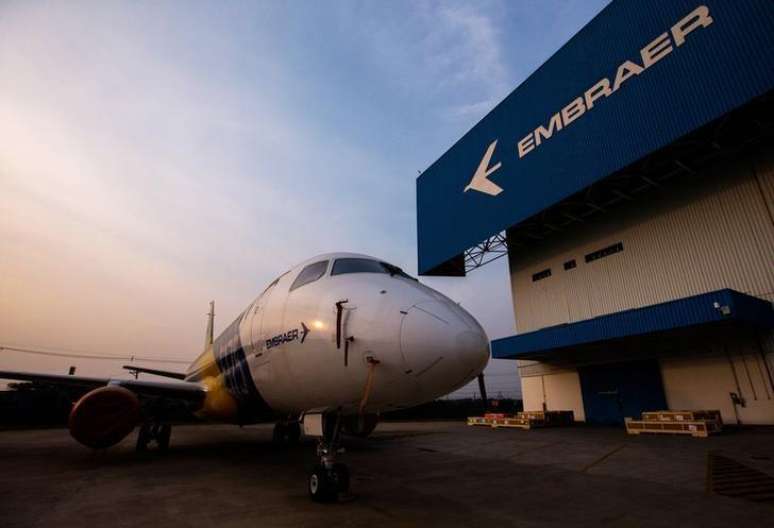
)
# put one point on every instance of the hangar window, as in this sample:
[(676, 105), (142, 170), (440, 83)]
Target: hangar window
[(310, 273), (605, 252), (570, 264), (540, 275)]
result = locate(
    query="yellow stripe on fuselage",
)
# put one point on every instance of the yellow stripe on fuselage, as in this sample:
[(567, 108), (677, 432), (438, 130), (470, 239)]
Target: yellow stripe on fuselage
[(218, 404)]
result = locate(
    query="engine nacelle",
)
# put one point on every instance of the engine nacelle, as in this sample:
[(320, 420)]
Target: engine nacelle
[(104, 416), (360, 425)]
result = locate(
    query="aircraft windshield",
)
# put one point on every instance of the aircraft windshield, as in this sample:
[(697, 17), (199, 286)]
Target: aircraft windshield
[(362, 265)]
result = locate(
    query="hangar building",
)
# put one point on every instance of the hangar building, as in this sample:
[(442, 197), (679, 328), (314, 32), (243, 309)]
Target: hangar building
[(630, 183)]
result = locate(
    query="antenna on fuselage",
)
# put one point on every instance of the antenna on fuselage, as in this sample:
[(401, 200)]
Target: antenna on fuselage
[(210, 324)]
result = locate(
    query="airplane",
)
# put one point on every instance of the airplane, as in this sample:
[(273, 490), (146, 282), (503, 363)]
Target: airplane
[(327, 346)]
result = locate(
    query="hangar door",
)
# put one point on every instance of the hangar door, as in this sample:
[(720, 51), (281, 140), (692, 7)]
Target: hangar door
[(617, 390)]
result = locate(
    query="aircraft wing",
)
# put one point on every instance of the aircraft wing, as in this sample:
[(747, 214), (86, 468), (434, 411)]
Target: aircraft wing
[(183, 390), (164, 373)]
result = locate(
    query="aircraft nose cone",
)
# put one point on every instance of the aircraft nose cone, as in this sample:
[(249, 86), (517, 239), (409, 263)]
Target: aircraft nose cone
[(473, 349), (443, 346)]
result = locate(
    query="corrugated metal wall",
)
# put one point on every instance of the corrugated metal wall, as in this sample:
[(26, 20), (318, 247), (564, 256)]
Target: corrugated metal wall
[(706, 382), (716, 232), (712, 233), (558, 392)]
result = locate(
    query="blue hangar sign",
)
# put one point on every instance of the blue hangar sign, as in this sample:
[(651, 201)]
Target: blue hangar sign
[(637, 77)]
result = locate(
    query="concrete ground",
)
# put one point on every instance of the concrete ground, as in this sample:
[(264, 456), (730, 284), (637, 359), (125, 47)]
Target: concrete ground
[(407, 474)]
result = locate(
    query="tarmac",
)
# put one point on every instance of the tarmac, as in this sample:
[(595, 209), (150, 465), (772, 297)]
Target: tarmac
[(406, 474)]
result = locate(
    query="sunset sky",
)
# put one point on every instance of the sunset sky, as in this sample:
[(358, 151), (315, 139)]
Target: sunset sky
[(156, 155)]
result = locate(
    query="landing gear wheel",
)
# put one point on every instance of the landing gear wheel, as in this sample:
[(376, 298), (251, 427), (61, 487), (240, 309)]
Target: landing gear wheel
[(341, 475), (322, 488), (162, 436), (143, 438), (329, 479)]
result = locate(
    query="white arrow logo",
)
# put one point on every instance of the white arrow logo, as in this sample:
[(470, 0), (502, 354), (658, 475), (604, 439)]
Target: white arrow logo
[(480, 181)]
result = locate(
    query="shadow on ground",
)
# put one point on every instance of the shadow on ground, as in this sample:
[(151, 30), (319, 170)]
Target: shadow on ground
[(407, 474)]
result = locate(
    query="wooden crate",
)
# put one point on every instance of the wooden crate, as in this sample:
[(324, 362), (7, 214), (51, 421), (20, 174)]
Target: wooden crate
[(500, 421), (682, 416), (495, 416), (695, 428), (512, 421), (478, 420), (524, 420)]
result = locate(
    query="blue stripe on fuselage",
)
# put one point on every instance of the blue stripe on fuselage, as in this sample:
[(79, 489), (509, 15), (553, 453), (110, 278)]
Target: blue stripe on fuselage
[(232, 363)]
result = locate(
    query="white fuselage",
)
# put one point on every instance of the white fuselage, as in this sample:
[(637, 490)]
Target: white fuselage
[(418, 344)]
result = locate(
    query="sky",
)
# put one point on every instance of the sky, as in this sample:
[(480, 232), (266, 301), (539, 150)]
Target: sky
[(157, 155)]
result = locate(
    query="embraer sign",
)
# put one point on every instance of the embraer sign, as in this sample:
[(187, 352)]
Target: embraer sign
[(639, 76), (652, 53)]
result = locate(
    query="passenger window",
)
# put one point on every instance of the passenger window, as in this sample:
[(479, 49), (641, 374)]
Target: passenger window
[(310, 274), (357, 265)]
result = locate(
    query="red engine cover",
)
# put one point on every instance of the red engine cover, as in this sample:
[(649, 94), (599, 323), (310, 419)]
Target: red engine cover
[(104, 416)]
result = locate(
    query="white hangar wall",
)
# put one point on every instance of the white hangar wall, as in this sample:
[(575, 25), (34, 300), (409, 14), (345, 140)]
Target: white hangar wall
[(715, 231)]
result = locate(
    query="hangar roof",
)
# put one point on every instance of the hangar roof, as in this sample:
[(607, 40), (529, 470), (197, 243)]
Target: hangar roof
[(638, 77), (721, 306)]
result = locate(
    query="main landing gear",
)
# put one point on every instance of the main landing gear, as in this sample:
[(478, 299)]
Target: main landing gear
[(153, 431), (329, 478)]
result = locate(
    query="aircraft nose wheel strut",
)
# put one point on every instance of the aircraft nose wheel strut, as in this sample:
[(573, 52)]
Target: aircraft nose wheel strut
[(329, 478)]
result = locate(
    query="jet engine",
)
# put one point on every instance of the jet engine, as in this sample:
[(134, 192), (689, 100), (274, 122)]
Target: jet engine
[(104, 416), (360, 425)]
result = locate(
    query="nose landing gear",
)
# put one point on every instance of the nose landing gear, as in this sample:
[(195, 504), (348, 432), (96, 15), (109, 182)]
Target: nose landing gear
[(329, 478), (326, 484)]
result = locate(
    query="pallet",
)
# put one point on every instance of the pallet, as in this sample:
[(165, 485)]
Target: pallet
[(507, 421), (524, 420), (696, 428), (682, 416)]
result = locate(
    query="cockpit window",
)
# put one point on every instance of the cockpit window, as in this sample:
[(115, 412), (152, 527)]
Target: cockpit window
[(395, 270), (357, 265), (310, 273), (362, 265)]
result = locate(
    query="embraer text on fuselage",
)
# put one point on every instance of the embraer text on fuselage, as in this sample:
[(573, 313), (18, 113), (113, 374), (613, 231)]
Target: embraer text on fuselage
[(653, 52), (290, 335)]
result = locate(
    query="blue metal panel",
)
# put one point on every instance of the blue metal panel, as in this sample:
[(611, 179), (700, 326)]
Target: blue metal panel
[(716, 69), (689, 311), (612, 392)]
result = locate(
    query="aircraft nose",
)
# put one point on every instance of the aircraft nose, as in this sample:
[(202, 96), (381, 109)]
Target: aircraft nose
[(443, 346)]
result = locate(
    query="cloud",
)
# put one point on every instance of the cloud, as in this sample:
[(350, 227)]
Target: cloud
[(467, 44), (136, 185), (466, 49), (157, 155), (448, 54)]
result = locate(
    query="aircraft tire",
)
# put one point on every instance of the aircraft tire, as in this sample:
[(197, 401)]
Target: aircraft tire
[(321, 487)]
